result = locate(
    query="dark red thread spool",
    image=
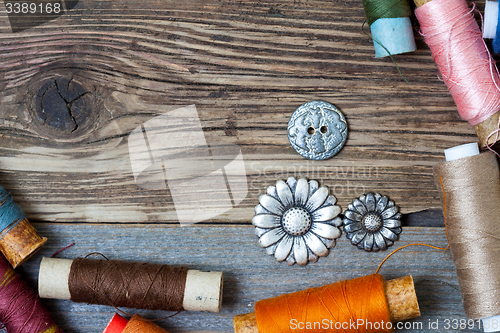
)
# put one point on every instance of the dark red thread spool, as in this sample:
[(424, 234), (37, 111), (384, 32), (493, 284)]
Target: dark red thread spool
[(21, 310)]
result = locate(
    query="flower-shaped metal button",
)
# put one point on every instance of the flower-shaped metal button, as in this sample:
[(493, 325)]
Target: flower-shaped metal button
[(297, 221), (372, 222), (317, 130)]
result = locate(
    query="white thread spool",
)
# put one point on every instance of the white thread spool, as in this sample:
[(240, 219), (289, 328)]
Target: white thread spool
[(490, 19)]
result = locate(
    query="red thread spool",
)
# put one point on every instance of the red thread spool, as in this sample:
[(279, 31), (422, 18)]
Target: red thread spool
[(136, 324), (21, 310), (116, 324)]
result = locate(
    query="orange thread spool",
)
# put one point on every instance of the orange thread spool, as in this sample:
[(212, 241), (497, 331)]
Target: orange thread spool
[(137, 324), (356, 306)]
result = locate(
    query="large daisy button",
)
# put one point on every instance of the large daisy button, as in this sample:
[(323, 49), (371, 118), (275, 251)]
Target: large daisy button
[(297, 221)]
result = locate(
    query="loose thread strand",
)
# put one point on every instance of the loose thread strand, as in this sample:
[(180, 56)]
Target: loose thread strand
[(96, 253), (423, 244), (60, 250), (495, 132), (386, 50)]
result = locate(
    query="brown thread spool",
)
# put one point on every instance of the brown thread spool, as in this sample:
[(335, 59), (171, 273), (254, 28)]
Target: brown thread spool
[(399, 293), (137, 285), (18, 239), (469, 185)]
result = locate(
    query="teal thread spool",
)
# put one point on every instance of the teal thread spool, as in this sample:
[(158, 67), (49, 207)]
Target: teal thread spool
[(390, 26), (10, 212), (18, 239)]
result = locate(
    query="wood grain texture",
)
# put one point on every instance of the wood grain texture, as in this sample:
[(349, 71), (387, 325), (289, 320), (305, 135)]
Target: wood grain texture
[(249, 274), (247, 66)]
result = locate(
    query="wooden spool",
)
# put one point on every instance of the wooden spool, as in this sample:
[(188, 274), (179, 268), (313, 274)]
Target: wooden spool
[(20, 243)]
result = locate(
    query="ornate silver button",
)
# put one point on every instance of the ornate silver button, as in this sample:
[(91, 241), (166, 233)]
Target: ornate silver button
[(317, 130), (372, 222), (297, 221)]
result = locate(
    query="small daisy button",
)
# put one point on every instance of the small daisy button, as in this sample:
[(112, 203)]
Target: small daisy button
[(372, 222)]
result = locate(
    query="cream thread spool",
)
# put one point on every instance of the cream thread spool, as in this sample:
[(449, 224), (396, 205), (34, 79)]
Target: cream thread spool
[(465, 275)]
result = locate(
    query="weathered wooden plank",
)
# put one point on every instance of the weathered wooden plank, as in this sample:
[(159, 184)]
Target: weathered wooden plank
[(247, 66), (249, 274)]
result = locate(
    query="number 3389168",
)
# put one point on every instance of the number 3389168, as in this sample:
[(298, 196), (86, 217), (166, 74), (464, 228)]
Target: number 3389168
[(32, 8)]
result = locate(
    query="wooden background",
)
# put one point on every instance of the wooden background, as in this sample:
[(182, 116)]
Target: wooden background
[(246, 65)]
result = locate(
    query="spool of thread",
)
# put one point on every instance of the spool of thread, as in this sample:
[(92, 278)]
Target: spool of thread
[(490, 21), (21, 310), (18, 239), (469, 185), (466, 66), (491, 28), (136, 324), (133, 285), (390, 26), (336, 307)]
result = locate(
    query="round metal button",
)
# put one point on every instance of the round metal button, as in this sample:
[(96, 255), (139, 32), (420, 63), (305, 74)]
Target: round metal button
[(317, 130)]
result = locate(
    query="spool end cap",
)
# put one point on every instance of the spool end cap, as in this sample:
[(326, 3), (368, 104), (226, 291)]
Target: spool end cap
[(466, 150)]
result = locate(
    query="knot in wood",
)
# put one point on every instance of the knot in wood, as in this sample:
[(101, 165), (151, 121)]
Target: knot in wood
[(63, 106)]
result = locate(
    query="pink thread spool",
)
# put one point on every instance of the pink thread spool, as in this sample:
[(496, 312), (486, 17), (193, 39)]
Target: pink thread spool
[(466, 66)]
